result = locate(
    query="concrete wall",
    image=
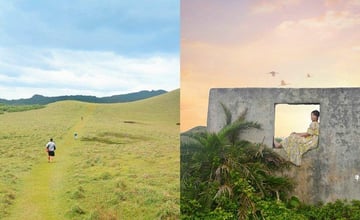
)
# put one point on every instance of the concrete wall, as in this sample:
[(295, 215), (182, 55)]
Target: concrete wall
[(328, 172)]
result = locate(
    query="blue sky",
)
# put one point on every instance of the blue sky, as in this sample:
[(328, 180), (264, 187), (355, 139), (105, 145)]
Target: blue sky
[(90, 47)]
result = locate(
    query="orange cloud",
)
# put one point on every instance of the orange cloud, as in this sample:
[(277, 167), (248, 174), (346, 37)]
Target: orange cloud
[(356, 48), (272, 6), (335, 20), (341, 4)]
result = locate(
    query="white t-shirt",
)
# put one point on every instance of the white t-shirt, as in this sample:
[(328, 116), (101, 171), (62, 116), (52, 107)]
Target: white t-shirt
[(51, 146)]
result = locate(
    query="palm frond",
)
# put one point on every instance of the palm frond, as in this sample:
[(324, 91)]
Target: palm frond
[(246, 205), (228, 115), (277, 184), (242, 115), (221, 172), (233, 130), (255, 172), (224, 190)]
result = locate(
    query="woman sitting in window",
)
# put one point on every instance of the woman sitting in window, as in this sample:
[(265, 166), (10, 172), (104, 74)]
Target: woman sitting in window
[(299, 143)]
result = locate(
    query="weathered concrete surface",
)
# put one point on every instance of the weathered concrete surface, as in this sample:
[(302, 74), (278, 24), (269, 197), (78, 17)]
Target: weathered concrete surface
[(328, 172)]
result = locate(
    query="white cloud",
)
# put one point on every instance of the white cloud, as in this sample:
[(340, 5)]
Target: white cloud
[(356, 48), (330, 20), (59, 72), (272, 6), (323, 29), (354, 2)]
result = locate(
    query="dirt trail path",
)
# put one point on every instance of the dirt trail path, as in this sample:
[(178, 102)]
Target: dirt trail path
[(41, 195)]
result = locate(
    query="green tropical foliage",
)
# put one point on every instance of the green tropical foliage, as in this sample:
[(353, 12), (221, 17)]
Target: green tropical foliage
[(340, 209), (224, 177), (18, 108)]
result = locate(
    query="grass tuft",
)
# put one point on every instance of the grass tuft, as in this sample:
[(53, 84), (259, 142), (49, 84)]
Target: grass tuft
[(76, 210), (77, 195), (100, 140)]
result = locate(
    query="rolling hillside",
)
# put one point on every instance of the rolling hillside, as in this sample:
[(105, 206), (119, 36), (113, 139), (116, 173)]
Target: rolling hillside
[(123, 165), (43, 100)]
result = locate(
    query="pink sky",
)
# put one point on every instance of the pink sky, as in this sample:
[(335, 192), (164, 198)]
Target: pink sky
[(236, 43)]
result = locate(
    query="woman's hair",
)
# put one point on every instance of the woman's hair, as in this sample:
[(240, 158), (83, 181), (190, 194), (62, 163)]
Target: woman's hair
[(316, 112)]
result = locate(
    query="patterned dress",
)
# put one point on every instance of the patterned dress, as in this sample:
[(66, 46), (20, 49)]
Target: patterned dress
[(295, 146)]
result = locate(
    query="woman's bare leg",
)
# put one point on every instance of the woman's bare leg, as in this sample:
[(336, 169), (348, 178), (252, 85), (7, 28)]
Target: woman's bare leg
[(277, 144)]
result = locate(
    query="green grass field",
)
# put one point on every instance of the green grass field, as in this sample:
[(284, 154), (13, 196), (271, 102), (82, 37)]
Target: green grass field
[(123, 165)]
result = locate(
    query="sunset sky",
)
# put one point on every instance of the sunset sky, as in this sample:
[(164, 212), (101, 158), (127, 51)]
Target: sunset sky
[(237, 43)]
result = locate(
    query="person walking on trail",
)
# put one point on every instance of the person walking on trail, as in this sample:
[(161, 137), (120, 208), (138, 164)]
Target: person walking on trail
[(50, 148)]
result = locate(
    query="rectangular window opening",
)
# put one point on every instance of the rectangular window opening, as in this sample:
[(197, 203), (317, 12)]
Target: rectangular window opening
[(292, 118)]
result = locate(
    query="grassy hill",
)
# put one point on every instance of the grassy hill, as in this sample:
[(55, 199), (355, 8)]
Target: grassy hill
[(43, 100), (123, 165)]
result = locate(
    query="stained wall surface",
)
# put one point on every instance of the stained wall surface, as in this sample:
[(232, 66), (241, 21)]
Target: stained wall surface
[(328, 172)]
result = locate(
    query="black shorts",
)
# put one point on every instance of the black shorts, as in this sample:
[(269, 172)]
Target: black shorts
[(51, 153)]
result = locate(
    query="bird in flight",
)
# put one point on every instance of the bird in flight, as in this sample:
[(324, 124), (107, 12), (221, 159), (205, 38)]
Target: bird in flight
[(308, 75), (273, 73), (283, 83)]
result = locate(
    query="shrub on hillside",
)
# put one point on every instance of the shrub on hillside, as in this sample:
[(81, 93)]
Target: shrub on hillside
[(18, 108)]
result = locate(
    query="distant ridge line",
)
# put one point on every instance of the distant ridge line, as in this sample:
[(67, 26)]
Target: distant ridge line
[(43, 100)]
